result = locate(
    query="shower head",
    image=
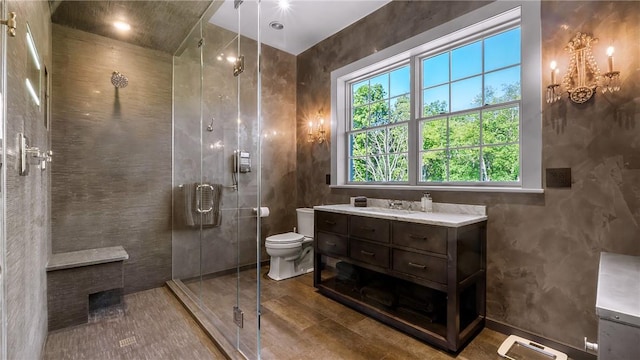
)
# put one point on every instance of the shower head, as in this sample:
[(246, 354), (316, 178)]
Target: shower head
[(118, 80)]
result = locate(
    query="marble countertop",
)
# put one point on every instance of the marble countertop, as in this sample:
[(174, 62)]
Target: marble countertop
[(432, 218), (618, 296), (74, 259)]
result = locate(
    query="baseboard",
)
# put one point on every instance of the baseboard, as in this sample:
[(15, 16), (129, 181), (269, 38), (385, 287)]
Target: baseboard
[(572, 353)]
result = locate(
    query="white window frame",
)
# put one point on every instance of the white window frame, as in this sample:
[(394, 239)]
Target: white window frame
[(485, 20)]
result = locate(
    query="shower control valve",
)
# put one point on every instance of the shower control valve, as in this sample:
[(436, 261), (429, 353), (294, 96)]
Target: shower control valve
[(30, 155)]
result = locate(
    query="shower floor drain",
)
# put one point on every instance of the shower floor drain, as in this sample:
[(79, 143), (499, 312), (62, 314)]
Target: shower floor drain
[(128, 341)]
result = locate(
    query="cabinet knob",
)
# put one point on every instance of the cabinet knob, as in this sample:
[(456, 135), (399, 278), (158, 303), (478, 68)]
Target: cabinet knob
[(418, 266), (417, 237), (367, 253)]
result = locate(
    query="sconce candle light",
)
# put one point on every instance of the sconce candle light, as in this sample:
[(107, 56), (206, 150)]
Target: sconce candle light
[(553, 90), (611, 79)]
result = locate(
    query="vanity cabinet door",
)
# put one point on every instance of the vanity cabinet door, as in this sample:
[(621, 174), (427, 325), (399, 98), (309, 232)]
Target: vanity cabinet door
[(331, 244), (370, 253), (420, 265), (420, 236), (332, 222), (369, 228)]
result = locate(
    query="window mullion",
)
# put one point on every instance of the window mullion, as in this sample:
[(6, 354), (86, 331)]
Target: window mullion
[(412, 129), (448, 153), (484, 102)]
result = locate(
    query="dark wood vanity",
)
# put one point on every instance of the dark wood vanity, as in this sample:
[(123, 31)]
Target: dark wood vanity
[(426, 280)]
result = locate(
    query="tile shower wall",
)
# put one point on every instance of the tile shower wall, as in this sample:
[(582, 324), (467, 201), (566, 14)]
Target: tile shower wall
[(111, 182), (219, 245), (543, 250), (27, 197)]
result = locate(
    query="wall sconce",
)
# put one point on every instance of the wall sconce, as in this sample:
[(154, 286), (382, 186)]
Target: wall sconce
[(321, 132), (583, 74)]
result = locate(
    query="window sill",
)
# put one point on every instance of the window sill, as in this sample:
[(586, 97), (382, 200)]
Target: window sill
[(480, 189)]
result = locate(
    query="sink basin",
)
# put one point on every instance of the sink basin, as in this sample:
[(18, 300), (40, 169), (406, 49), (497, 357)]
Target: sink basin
[(387, 211)]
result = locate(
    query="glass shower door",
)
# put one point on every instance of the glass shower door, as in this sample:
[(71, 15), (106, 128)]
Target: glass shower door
[(216, 167), (249, 141), (3, 188)]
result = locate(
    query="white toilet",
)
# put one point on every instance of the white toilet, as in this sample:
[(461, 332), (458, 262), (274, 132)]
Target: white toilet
[(292, 253)]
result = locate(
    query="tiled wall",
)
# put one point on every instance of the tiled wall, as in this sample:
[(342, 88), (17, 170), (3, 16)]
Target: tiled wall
[(111, 182), (217, 249), (27, 197), (543, 250)]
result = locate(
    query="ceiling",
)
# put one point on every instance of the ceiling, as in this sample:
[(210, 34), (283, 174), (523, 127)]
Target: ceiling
[(160, 25), (163, 25), (306, 22)]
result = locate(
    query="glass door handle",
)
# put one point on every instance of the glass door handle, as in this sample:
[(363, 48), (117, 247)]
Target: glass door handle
[(199, 199)]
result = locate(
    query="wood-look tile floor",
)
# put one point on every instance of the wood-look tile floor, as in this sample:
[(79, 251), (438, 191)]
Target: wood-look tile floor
[(153, 325), (299, 323)]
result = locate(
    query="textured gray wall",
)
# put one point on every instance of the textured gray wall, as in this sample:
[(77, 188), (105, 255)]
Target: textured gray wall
[(111, 180), (27, 198), (218, 248), (543, 250)]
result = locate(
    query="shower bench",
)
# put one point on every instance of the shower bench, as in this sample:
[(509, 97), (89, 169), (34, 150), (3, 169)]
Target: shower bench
[(73, 277)]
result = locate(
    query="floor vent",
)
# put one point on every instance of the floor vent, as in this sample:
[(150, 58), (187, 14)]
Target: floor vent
[(128, 341)]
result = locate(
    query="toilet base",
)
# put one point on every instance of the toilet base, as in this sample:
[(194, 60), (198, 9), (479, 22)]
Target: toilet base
[(281, 269), (277, 276)]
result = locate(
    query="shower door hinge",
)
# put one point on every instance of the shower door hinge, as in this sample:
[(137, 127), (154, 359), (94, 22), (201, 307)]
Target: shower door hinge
[(238, 66), (200, 43), (237, 3), (238, 317), (11, 24)]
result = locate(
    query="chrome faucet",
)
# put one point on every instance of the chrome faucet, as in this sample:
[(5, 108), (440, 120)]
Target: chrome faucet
[(395, 204)]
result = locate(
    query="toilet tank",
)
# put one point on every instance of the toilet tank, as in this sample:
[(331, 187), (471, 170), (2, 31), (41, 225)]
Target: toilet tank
[(305, 221)]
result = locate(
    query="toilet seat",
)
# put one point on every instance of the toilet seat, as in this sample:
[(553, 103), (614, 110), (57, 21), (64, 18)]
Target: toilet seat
[(286, 238)]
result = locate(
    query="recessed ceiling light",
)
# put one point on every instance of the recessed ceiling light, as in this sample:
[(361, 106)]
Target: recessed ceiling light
[(276, 25), (120, 25), (283, 4)]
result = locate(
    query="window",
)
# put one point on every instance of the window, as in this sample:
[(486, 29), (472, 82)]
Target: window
[(457, 106), (380, 112), (469, 129)]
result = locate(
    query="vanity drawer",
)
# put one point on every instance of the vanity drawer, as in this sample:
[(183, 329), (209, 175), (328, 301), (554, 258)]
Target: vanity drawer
[(331, 244), (419, 236), (332, 222), (370, 253), (369, 228), (423, 266)]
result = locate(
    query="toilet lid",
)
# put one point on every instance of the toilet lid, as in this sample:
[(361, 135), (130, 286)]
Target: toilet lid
[(285, 238)]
